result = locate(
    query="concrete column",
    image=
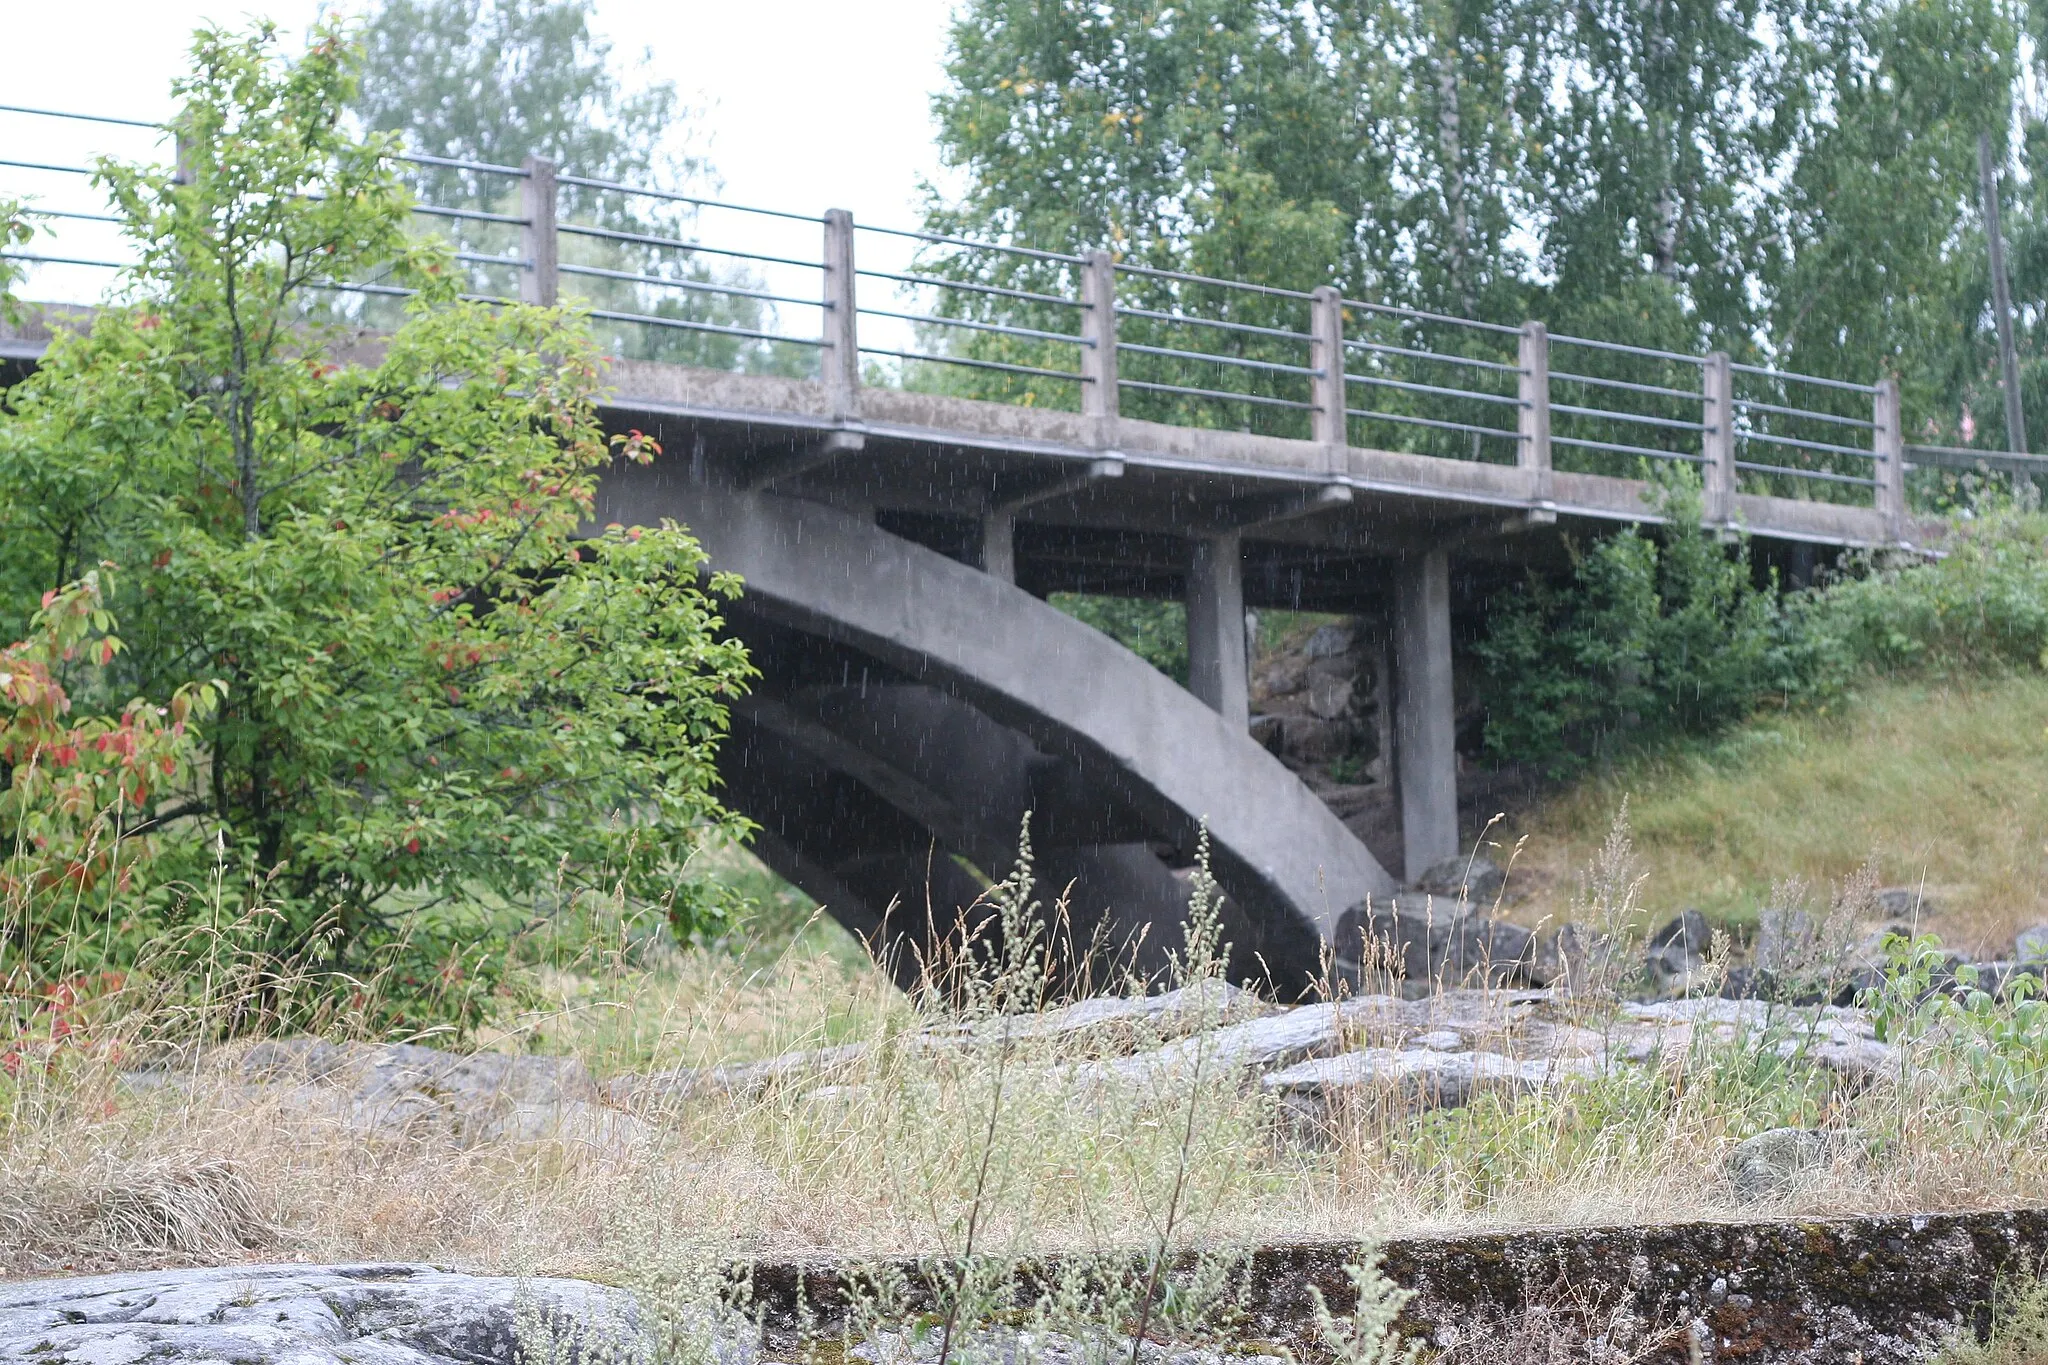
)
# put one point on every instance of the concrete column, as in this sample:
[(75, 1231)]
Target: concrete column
[(540, 282), (839, 359), (1889, 445), (1532, 421), (1424, 722), (1326, 388), (1218, 672), (999, 544), (1098, 357), (1718, 443)]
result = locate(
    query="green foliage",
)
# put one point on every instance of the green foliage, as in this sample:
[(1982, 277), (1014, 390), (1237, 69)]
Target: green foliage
[(1668, 633), (1659, 632), (499, 80), (441, 706), (1156, 631), (1791, 181), (1982, 605), (496, 81), (15, 230)]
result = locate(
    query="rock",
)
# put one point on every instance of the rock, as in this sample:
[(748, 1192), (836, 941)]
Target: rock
[(1479, 880), (402, 1090), (736, 1081), (1784, 940), (1415, 1079), (1745, 983), (1677, 955), (1330, 642), (1406, 934), (1997, 978), (312, 1315), (1905, 902), (1314, 740), (1479, 950), (1118, 1022), (1263, 1044), (2032, 944), (1779, 1161), (1560, 953), (1328, 698), (1268, 732)]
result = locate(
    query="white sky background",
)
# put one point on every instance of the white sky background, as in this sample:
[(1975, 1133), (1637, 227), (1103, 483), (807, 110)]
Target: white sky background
[(804, 104)]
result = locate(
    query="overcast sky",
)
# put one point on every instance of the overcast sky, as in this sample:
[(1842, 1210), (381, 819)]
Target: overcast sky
[(807, 104)]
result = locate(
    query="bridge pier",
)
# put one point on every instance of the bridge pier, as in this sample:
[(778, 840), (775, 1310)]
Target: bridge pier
[(999, 545), (1218, 672), (1425, 752)]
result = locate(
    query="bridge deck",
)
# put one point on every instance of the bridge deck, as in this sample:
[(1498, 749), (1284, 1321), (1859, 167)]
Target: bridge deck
[(944, 455)]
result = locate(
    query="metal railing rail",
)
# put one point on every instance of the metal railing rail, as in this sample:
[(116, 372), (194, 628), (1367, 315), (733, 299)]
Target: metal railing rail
[(1180, 346)]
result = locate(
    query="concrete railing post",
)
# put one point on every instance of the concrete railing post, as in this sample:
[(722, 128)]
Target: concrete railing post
[(1098, 356), (1326, 388), (839, 359), (1889, 445), (1717, 381), (1425, 718), (1532, 451), (540, 282), (1218, 671)]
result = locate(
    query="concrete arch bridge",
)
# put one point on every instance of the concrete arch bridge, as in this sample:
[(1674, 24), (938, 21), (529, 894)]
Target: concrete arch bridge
[(919, 695)]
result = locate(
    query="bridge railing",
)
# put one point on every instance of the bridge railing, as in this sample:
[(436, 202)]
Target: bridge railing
[(699, 280)]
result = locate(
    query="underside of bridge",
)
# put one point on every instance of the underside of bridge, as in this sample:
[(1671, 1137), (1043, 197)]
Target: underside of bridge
[(919, 698)]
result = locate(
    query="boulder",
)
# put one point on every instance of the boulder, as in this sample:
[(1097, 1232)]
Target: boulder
[(1780, 1161), (1328, 698), (1484, 951), (1677, 956), (1408, 933), (1784, 940), (315, 1315), (1475, 879), (1263, 1044), (1415, 1079), (1314, 740), (1905, 902), (1331, 642), (1560, 954)]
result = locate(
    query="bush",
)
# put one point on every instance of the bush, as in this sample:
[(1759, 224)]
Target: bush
[(1155, 631), (1982, 605), (1661, 630), (442, 707)]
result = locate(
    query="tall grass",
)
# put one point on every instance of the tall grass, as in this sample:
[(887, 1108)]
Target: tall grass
[(892, 1151), (1940, 780)]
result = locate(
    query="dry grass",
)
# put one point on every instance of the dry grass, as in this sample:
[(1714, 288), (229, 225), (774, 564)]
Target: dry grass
[(1943, 782), (890, 1158), (906, 1144)]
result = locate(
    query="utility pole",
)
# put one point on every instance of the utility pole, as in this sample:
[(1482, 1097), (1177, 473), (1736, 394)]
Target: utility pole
[(2001, 300)]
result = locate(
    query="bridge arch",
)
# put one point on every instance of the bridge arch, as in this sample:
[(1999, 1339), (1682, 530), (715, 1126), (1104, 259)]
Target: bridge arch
[(962, 700)]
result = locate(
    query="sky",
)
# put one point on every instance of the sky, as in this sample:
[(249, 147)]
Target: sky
[(806, 104)]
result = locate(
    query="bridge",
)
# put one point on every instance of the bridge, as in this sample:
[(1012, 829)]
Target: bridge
[(903, 500)]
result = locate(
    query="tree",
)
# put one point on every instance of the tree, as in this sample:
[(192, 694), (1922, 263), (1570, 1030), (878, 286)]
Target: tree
[(500, 80), (496, 81), (435, 692)]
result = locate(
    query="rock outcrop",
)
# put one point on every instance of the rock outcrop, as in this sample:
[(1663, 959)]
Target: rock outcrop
[(305, 1315)]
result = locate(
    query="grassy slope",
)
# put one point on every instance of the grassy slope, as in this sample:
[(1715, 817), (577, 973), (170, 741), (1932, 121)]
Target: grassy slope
[(1946, 784)]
